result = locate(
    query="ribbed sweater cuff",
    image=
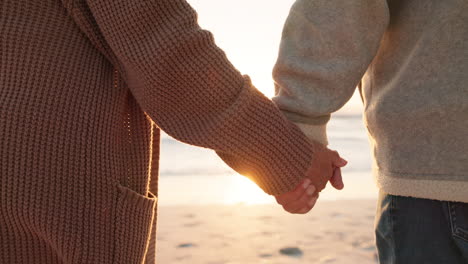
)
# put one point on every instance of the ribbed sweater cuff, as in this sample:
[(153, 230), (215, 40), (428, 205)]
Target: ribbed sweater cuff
[(315, 132), (278, 180), (267, 148)]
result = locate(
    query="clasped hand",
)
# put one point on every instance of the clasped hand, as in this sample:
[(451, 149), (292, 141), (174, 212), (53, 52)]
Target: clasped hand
[(326, 167)]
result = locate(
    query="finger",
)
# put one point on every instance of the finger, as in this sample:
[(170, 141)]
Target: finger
[(313, 202), (338, 161), (305, 210), (337, 179), (310, 205), (303, 201), (294, 195)]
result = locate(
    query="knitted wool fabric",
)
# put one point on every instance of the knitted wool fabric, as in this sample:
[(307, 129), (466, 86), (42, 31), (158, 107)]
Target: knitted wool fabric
[(85, 87)]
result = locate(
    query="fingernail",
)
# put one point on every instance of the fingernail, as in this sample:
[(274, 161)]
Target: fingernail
[(312, 201), (306, 183), (343, 162), (310, 190)]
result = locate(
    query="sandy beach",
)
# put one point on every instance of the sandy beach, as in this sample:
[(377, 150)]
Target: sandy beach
[(209, 215), (334, 232)]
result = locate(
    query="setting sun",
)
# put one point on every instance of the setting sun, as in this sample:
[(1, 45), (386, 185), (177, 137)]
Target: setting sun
[(243, 190)]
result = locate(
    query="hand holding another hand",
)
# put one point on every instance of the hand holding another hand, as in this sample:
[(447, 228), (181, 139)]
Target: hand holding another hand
[(326, 166)]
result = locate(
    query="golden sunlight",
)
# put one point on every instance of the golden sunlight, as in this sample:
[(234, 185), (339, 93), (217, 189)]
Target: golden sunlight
[(252, 42), (243, 190)]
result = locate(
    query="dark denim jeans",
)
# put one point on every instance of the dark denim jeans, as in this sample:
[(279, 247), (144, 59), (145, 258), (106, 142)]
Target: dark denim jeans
[(421, 231)]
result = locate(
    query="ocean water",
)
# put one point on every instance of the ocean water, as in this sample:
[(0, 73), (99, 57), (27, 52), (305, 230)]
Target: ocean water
[(193, 175)]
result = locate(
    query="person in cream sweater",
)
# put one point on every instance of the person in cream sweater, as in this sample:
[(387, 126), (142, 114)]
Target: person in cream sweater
[(409, 60)]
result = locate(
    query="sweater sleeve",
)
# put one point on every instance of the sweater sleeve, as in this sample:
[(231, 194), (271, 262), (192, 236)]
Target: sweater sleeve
[(185, 83), (326, 47)]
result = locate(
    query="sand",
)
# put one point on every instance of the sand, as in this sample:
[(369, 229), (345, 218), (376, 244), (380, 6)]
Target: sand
[(334, 232)]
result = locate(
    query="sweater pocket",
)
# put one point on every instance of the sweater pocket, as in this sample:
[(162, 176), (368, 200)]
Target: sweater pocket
[(134, 218)]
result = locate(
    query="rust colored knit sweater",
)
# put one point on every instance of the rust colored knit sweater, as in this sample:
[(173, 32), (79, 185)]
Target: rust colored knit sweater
[(85, 87)]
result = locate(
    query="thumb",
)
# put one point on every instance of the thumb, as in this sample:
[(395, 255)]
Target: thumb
[(339, 161)]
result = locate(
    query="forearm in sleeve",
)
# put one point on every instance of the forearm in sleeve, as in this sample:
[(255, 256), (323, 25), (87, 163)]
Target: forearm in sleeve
[(185, 83), (326, 48)]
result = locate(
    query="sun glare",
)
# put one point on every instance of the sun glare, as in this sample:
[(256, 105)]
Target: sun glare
[(242, 190)]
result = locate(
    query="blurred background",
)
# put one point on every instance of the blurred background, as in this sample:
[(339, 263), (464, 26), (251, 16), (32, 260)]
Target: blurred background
[(210, 214), (249, 31)]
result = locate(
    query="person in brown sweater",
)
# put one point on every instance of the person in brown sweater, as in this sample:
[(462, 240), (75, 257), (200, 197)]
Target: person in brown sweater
[(85, 88)]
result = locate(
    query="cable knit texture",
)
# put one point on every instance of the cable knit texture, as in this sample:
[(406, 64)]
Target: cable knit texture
[(85, 87)]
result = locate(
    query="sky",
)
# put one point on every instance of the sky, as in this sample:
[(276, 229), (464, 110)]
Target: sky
[(249, 31)]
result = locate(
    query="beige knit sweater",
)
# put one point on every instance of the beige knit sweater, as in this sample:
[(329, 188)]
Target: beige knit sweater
[(411, 60), (85, 87)]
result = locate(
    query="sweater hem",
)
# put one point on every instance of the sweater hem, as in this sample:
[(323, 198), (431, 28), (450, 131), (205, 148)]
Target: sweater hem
[(442, 190)]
